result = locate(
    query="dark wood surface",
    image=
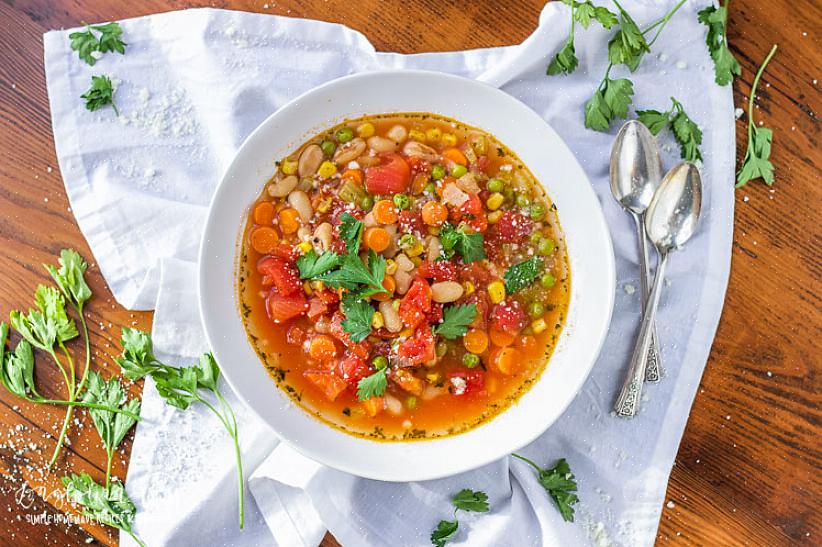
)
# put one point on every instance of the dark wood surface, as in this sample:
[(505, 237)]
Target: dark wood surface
[(748, 469)]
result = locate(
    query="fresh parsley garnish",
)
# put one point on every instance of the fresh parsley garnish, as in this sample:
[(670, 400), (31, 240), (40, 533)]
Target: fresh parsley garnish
[(725, 64), (100, 94), (312, 265), (350, 232), (455, 321), (86, 43), (686, 132), (757, 162), (354, 275), (464, 500), (560, 484), (372, 386), (565, 61), (469, 246), (611, 100), (520, 275), (358, 315), (182, 386), (628, 45), (110, 505)]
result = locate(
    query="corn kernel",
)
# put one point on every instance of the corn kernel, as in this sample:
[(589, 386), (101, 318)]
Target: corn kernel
[(390, 266), (434, 134), (327, 169), (496, 291), (317, 285), (365, 130), (396, 304), (324, 206), (305, 246), (539, 325), (494, 217), (449, 139), (468, 287), (433, 377), (414, 250), (416, 135), (289, 167), (406, 332), (377, 321), (307, 288), (494, 201), (416, 260)]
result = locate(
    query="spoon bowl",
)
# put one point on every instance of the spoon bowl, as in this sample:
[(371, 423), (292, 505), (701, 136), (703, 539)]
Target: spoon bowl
[(636, 167), (674, 210)]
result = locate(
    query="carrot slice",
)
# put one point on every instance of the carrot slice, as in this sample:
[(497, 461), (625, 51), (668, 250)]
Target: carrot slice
[(377, 239), (501, 338), (385, 212), (475, 341), (508, 361), (390, 285), (353, 175), (289, 220), (373, 406), (322, 347), (264, 213), (434, 213), (264, 239), (455, 155)]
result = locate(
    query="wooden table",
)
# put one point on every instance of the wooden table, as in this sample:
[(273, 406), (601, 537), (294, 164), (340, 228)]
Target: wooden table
[(748, 470)]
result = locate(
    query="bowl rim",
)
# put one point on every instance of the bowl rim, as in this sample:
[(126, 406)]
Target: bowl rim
[(597, 219)]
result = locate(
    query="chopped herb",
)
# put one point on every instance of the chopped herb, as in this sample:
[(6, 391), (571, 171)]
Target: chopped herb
[(560, 484), (520, 275), (455, 321)]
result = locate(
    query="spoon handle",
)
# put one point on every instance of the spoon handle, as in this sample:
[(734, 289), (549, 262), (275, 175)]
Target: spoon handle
[(653, 369), (627, 403)]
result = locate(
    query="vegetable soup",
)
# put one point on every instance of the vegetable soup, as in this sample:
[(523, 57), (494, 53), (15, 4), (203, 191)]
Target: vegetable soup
[(403, 276)]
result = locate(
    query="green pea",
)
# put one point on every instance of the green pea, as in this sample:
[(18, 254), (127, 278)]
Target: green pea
[(537, 211), (535, 238), (430, 188), (495, 185), (328, 147), (379, 362), (366, 202), (411, 403), (536, 310), (545, 246), (437, 172), (547, 281), (470, 360), (402, 201), (442, 348), (508, 192), (458, 170), (345, 134), (522, 200)]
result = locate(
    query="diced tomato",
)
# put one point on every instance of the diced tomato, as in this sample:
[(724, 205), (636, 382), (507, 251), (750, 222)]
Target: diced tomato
[(360, 349), (469, 209), (295, 335), (480, 300), (481, 164), (407, 381), (328, 296), (419, 348), (513, 227), (283, 250), (411, 223), (508, 316), (281, 307), (284, 274), (474, 272), (316, 308), (328, 382), (352, 369), (474, 382), (392, 176), (416, 303), (435, 315), (439, 270), (479, 223), (337, 212), (418, 166)]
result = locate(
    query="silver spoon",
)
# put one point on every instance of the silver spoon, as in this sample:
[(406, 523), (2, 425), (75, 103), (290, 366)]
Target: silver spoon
[(670, 221), (636, 171)]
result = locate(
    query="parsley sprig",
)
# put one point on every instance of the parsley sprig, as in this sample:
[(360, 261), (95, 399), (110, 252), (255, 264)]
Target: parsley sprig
[(100, 94), (464, 500), (110, 505), (455, 321), (757, 162), (560, 484), (358, 315), (565, 61), (725, 64), (87, 43), (373, 385), (456, 239), (686, 132), (181, 387)]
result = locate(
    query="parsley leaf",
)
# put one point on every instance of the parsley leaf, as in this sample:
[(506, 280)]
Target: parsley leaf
[(372, 386), (86, 43), (521, 275), (49, 324), (353, 274), (17, 368), (69, 277), (350, 232), (469, 246), (628, 45), (559, 483), (686, 132), (654, 120), (455, 321), (358, 315), (110, 505), (469, 500), (725, 64), (312, 265), (585, 12), (611, 100), (100, 94), (757, 162), (446, 529), (565, 61), (110, 35)]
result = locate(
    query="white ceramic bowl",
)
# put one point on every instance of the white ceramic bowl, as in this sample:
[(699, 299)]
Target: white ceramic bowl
[(553, 164)]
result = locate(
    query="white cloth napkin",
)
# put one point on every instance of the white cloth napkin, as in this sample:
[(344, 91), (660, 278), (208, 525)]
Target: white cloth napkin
[(191, 87)]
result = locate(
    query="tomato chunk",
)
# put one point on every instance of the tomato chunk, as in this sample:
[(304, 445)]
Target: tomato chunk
[(513, 227), (329, 383), (440, 270), (411, 223), (283, 273), (353, 369), (392, 176), (407, 381), (282, 307), (360, 349), (416, 303), (463, 381), (508, 316), (419, 348)]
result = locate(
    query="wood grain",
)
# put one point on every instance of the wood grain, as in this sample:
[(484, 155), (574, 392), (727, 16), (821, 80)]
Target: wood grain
[(748, 469)]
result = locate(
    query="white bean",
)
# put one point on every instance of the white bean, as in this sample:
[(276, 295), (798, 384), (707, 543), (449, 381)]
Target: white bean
[(390, 316), (369, 220), (446, 291), (349, 151), (310, 160), (397, 133), (403, 280), (381, 144), (322, 236), (282, 187), (404, 263), (393, 404), (434, 248), (299, 201), (419, 150)]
